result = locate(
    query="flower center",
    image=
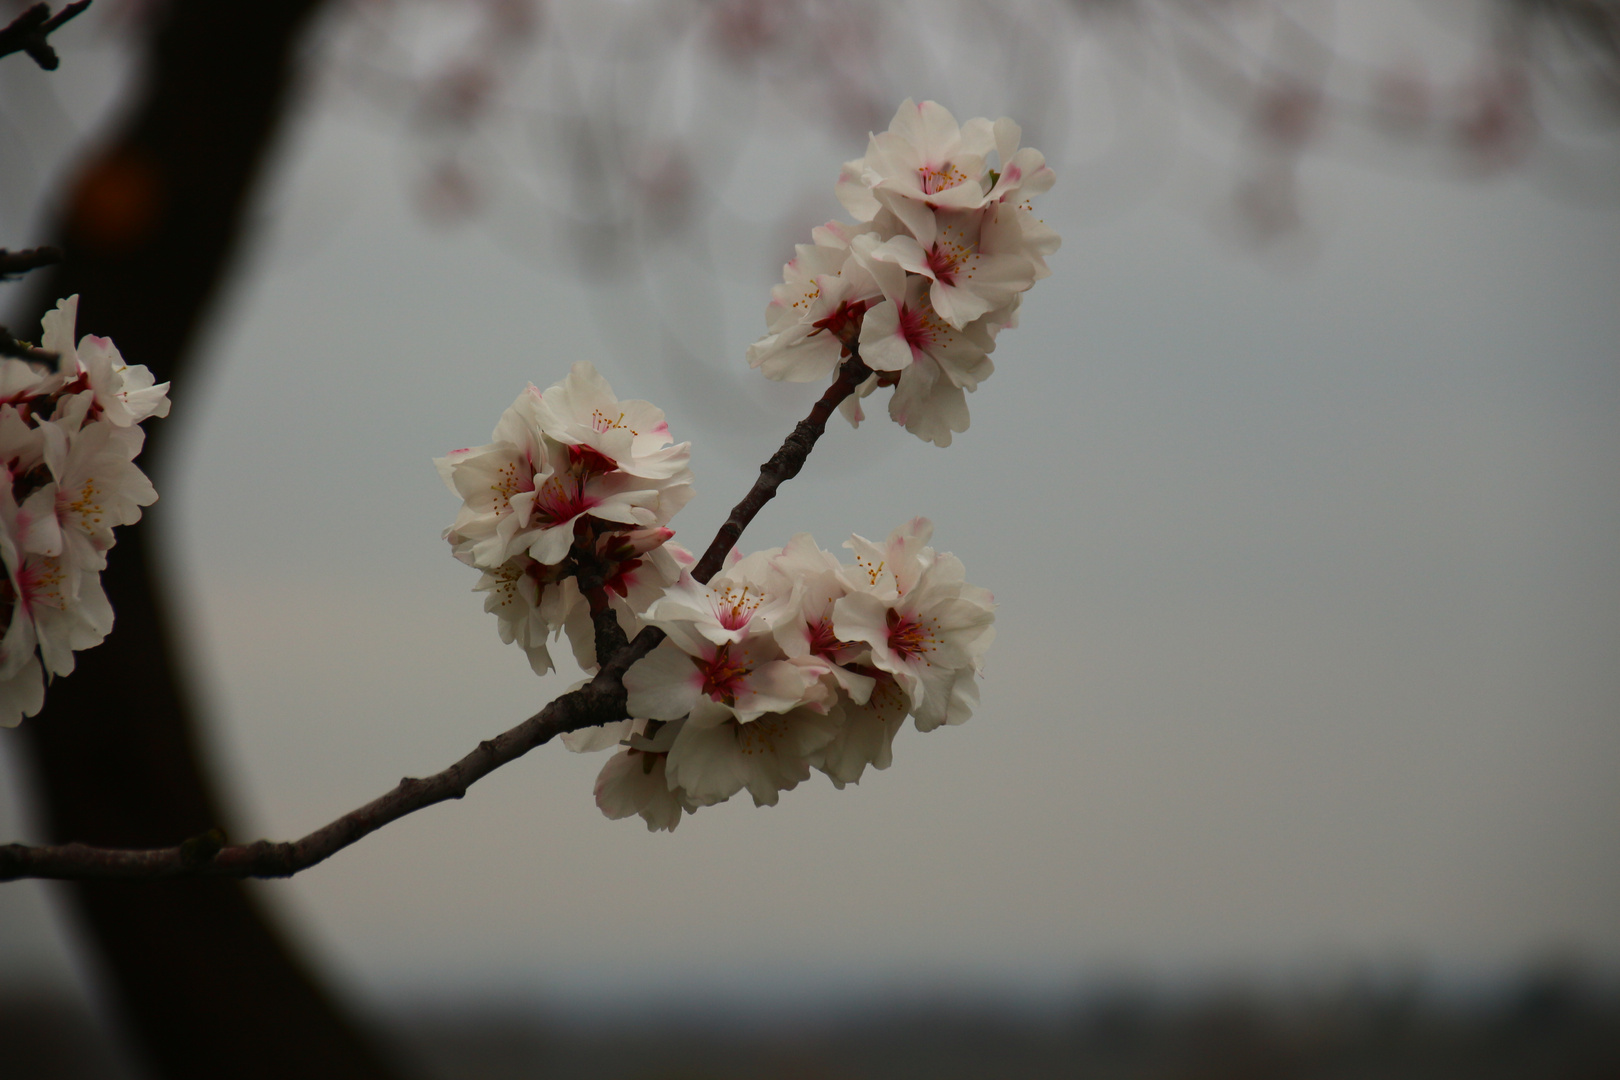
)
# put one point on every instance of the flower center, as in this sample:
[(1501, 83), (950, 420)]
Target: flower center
[(40, 583), (845, 322), (936, 178), (560, 499), (723, 677), (734, 606), (508, 482), (601, 421), (919, 326), (585, 460), (944, 262), (910, 637), (760, 736), (823, 642)]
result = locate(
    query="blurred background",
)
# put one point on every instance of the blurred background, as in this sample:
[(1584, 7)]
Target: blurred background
[(1296, 487)]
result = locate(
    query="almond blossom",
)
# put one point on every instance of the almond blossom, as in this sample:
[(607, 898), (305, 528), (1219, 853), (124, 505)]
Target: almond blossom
[(944, 246), (924, 162), (744, 679), (564, 512), (636, 781), (787, 661), (866, 735), (124, 394), (553, 463), (974, 260), (772, 671), (824, 292), (930, 636), (717, 755)]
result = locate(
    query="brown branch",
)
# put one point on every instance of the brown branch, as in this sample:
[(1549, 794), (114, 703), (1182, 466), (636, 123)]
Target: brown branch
[(28, 32), (13, 263), (601, 701), (598, 702), (20, 262), (784, 465)]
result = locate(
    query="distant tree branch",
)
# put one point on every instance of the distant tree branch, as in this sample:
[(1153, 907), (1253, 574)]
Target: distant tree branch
[(28, 32), (600, 701), (13, 263)]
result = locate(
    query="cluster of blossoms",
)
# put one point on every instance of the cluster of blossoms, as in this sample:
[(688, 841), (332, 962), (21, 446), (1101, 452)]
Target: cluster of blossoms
[(787, 660), (943, 247), (68, 442), (569, 502)]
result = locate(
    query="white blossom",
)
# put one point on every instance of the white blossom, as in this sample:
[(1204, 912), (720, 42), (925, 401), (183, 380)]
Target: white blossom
[(790, 661), (866, 734), (565, 511), (945, 245), (98, 486), (636, 781), (824, 292), (922, 163), (716, 755), (555, 459), (930, 635), (124, 394), (68, 442), (974, 260)]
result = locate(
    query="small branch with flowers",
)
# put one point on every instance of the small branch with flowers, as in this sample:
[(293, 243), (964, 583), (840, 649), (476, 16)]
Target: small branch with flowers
[(710, 675)]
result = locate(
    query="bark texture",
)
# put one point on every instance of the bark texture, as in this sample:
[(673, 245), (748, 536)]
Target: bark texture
[(205, 984)]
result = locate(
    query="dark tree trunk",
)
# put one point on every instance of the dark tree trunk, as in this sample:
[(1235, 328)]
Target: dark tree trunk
[(205, 985)]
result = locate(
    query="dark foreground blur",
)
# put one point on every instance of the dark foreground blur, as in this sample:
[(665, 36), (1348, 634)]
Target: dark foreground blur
[(1548, 1027)]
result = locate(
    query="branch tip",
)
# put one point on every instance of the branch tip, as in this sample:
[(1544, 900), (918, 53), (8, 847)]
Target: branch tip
[(27, 33)]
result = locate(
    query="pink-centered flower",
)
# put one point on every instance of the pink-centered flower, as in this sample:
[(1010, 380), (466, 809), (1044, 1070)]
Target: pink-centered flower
[(557, 459), (905, 328), (64, 605), (98, 485), (745, 599), (924, 162), (931, 634), (747, 679), (607, 434), (826, 289), (806, 634), (124, 394), (974, 260)]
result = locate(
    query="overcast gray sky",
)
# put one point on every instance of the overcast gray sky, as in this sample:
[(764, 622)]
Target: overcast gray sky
[(1309, 650)]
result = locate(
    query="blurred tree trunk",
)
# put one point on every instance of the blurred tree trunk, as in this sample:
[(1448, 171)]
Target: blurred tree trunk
[(205, 985)]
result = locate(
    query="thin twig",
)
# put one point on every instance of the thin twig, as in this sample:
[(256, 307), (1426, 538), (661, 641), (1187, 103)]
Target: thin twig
[(20, 262), (28, 32), (21, 350), (784, 465), (600, 701)]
